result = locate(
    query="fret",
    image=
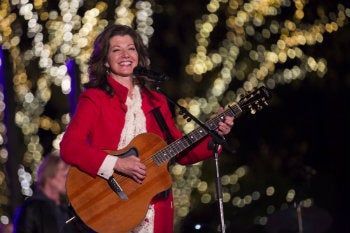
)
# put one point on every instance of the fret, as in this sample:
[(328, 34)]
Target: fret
[(157, 159)]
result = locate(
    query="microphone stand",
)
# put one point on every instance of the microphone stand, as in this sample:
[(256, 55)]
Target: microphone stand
[(214, 144)]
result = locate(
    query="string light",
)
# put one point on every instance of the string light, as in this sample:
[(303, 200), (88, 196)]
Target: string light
[(243, 56)]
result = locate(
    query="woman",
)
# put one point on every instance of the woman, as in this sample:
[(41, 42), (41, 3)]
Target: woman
[(115, 107)]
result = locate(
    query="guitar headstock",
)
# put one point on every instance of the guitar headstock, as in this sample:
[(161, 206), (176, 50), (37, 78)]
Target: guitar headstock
[(255, 100)]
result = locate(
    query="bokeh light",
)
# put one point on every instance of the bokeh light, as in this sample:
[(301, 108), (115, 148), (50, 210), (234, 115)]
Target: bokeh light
[(256, 49)]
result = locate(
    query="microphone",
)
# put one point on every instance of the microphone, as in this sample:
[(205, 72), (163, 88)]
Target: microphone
[(155, 76)]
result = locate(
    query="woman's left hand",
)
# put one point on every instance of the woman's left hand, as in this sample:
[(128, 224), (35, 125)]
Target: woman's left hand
[(224, 127)]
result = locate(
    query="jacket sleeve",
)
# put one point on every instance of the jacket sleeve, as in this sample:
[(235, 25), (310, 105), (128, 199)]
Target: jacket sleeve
[(75, 147)]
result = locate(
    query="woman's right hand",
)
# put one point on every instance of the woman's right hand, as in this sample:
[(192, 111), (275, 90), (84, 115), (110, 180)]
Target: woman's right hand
[(131, 166)]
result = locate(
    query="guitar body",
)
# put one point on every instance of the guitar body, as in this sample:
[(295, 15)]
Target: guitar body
[(99, 207)]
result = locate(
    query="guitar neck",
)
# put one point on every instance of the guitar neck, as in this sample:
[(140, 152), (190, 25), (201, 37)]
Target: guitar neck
[(189, 139)]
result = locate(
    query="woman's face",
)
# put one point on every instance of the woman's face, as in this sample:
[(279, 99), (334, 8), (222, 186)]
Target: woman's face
[(122, 56)]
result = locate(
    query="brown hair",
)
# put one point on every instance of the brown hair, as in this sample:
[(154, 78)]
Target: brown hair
[(47, 169), (97, 69)]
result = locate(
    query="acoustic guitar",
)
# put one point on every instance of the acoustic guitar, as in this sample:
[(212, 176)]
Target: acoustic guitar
[(120, 204)]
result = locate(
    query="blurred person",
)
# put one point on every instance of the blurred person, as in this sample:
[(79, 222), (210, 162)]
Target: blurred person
[(117, 106), (47, 210)]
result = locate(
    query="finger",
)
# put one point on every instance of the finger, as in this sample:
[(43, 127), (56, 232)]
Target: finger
[(142, 171), (224, 129), (142, 166), (221, 130), (229, 121), (139, 177)]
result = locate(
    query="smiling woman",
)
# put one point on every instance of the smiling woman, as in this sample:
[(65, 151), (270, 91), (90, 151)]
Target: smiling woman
[(110, 136)]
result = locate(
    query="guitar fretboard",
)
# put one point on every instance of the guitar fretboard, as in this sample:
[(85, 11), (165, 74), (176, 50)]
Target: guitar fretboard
[(189, 139)]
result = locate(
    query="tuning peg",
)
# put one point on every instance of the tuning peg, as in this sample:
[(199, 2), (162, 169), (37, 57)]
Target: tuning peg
[(252, 110), (186, 117)]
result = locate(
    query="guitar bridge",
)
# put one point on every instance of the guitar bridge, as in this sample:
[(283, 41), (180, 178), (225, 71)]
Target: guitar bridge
[(116, 188)]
